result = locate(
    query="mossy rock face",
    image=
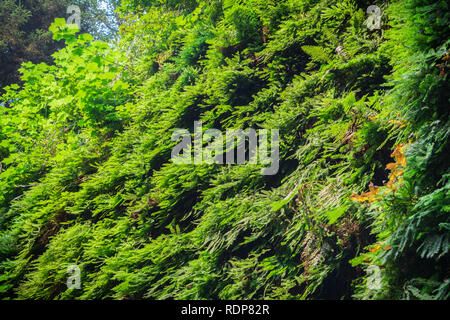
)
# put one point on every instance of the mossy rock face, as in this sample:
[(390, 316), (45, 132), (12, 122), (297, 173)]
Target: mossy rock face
[(357, 210)]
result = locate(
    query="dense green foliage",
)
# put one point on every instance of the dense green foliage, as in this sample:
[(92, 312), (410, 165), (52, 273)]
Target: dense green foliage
[(24, 34), (358, 209)]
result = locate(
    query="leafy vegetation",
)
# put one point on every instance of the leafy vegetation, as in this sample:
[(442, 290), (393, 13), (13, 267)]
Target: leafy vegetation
[(359, 208), (24, 34)]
